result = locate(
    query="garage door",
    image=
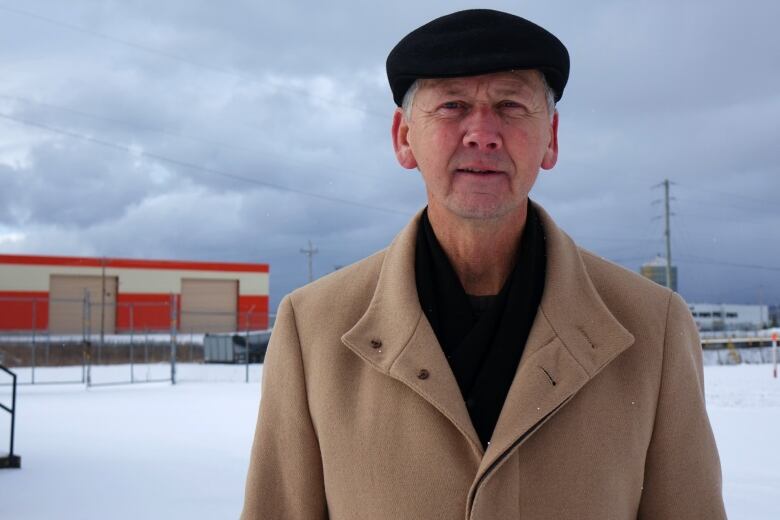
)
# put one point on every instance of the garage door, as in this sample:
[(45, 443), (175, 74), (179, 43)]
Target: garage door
[(208, 305), (66, 304)]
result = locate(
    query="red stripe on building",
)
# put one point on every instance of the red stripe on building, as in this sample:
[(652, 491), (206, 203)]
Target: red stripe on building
[(252, 312), (142, 312), (24, 310), (72, 261), (151, 312), (16, 295)]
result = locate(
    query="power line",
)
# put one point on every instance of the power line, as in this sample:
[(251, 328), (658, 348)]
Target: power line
[(733, 204), (730, 196), (705, 217), (195, 167), (176, 57), (113, 39), (700, 260), (687, 237), (178, 135)]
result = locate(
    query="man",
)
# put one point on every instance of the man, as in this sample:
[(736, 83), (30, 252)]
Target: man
[(482, 366)]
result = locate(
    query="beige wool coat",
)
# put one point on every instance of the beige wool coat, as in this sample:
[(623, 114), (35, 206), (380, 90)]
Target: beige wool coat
[(361, 417)]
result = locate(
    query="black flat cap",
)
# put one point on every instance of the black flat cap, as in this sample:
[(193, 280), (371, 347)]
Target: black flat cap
[(473, 42)]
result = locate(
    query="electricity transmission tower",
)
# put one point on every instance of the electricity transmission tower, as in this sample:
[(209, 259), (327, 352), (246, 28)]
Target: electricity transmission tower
[(667, 232), (310, 252)]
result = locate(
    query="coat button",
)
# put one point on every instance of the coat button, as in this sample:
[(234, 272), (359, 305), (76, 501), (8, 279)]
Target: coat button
[(423, 374), (375, 343)]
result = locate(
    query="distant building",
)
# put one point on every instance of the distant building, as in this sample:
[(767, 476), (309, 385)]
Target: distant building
[(655, 270), (73, 295), (727, 316), (774, 315)]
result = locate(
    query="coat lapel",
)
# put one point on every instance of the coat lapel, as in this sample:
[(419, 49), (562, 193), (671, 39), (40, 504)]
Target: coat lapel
[(573, 337), (408, 343)]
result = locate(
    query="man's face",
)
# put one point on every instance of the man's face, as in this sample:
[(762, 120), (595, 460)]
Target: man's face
[(478, 141)]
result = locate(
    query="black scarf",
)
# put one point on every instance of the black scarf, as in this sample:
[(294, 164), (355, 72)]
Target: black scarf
[(483, 347)]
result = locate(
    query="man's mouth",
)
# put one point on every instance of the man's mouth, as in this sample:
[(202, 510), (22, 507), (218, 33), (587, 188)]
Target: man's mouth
[(476, 170)]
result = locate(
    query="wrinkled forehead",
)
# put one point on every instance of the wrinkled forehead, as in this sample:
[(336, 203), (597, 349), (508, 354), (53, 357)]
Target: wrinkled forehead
[(525, 83)]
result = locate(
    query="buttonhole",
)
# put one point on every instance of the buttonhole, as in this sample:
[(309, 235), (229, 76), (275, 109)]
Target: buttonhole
[(552, 381), (587, 338)]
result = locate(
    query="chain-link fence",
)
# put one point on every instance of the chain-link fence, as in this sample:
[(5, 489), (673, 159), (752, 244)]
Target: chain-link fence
[(125, 342)]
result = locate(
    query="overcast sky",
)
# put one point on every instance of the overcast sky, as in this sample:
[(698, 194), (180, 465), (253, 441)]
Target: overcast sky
[(239, 130)]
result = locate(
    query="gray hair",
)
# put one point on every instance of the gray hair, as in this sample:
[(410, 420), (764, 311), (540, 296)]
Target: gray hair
[(408, 101)]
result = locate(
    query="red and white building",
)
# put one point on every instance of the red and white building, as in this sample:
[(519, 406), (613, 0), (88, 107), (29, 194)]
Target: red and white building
[(71, 295)]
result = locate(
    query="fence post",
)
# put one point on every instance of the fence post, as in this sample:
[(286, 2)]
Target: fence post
[(83, 365), (173, 339), (87, 333), (34, 350), (246, 341), (48, 350), (248, 322), (132, 349)]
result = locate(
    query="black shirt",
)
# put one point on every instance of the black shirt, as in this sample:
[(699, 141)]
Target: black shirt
[(482, 337)]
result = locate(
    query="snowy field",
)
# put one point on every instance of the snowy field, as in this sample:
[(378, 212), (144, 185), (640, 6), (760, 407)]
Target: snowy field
[(153, 450)]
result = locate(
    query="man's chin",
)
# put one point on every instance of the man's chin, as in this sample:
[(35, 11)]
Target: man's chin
[(482, 210)]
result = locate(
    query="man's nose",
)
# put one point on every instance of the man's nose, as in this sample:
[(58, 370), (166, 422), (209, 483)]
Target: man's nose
[(482, 129)]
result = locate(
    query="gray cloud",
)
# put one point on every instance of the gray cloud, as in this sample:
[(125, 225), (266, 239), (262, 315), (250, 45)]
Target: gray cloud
[(212, 105)]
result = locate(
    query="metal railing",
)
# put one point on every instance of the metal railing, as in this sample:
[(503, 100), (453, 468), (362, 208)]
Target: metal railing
[(736, 349), (141, 342), (11, 460)]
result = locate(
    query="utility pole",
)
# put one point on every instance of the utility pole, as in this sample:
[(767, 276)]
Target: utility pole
[(310, 253), (667, 230), (102, 307), (668, 236)]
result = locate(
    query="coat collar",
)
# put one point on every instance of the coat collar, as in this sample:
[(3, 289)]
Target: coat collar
[(574, 335)]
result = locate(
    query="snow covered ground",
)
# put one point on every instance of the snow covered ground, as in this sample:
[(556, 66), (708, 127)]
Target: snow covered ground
[(159, 451), (744, 406)]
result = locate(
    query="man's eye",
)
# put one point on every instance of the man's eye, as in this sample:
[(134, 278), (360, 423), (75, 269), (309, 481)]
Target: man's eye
[(452, 105)]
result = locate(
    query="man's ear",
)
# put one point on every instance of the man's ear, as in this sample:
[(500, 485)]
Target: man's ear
[(400, 134), (551, 153)]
